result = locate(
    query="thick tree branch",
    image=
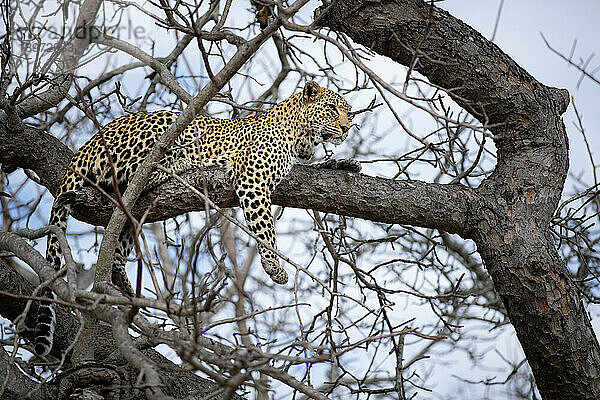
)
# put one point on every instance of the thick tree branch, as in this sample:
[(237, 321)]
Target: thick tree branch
[(33, 149), (345, 193)]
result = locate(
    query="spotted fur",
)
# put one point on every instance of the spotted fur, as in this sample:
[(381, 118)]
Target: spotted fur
[(257, 151)]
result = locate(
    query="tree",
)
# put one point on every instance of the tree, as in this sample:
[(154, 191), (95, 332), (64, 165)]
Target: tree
[(337, 331)]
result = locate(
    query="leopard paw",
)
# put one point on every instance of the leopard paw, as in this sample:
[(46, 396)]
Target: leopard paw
[(275, 272), (345, 164), (280, 276)]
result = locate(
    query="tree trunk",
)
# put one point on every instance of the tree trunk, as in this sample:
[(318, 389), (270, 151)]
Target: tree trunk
[(510, 217)]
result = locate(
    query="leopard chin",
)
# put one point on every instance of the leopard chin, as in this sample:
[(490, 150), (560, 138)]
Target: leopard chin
[(328, 137)]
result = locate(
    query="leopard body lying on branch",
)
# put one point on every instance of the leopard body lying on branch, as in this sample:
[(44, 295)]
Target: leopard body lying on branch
[(257, 152)]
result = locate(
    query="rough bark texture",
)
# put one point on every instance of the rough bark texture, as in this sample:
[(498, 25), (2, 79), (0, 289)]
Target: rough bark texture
[(509, 217)]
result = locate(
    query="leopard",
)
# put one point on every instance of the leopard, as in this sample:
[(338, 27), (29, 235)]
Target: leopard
[(256, 151)]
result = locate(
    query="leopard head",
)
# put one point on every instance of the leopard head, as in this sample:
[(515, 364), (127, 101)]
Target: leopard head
[(327, 114)]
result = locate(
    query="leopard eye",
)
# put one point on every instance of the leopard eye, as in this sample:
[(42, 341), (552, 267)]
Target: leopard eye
[(333, 107)]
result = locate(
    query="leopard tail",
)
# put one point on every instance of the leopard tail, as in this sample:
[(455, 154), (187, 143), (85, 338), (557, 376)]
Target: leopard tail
[(46, 315)]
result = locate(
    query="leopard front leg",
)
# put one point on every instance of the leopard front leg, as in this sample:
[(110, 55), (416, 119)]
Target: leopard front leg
[(256, 205), (255, 200)]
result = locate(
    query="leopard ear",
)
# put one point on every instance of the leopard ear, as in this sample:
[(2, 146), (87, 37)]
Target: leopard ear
[(311, 91)]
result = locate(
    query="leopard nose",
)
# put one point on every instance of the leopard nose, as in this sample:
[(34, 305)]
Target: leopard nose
[(345, 129)]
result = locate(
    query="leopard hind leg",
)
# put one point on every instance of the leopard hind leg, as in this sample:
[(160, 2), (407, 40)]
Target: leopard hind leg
[(119, 273)]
